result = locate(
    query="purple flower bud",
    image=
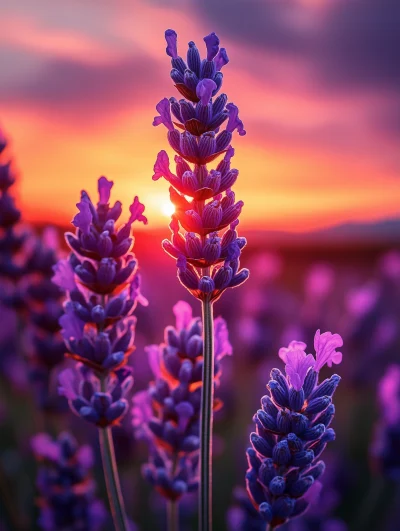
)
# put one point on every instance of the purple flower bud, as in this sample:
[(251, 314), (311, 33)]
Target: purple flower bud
[(212, 250), (193, 245), (212, 215), (171, 37), (234, 122), (206, 284), (221, 59), (84, 219), (207, 145), (191, 80), (193, 58), (205, 89), (212, 44), (164, 108), (104, 187), (106, 272)]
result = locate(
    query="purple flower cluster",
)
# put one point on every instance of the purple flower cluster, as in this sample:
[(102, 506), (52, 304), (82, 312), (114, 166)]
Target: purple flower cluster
[(292, 430), (167, 414), (103, 288), (11, 239), (44, 309), (386, 444), (87, 399), (208, 261), (66, 488)]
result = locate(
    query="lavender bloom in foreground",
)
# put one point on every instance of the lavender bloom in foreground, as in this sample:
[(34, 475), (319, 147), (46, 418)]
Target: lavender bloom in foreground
[(204, 239), (167, 415), (66, 488), (103, 287), (386, 444), (292, 430)]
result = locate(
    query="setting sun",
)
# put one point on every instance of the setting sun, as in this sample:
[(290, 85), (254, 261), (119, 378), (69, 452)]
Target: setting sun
[(167, 209)]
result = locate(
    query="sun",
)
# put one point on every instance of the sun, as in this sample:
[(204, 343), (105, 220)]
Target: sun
[(167, 209)]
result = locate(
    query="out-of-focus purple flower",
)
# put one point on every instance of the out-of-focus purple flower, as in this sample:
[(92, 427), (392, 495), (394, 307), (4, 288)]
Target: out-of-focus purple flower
[(64, 276), (204, 240), (389, 395), (292, 431), (43, 310), (386, 441), (319, 280), (242, 515), (12, 238), (66, 487), (167, 415), (390, 265)]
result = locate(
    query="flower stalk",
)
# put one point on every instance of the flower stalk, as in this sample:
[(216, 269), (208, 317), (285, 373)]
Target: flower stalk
[(173, 515), (206, 418), (112, 479)]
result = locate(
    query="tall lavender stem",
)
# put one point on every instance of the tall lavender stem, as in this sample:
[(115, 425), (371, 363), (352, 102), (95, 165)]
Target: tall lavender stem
[(173, 515), (204, 239), (111, 476), (112, 479), (206, 419)]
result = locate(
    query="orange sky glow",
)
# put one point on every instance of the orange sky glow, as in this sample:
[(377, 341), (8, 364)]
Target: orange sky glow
[(79, 98)]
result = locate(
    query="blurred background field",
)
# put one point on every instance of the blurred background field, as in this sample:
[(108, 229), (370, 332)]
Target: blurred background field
[(296, 287)]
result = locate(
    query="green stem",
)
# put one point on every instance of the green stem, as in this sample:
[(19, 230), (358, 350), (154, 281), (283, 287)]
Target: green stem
[(369, 504), (206, 420), (111, 476), (173, 515)]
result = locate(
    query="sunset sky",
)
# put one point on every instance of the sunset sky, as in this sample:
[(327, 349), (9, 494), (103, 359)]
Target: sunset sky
[(317, 83)]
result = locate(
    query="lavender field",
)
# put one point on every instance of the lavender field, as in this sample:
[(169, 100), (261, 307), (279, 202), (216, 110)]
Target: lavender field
[(199, 266)]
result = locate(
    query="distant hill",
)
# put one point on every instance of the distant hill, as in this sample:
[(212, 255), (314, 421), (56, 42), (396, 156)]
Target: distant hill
[(382, 233)]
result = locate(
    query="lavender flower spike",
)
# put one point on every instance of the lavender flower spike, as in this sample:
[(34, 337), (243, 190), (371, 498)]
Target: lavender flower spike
[(103, 287), (66, 487), (204, 240), (385, 446), (292, 431)]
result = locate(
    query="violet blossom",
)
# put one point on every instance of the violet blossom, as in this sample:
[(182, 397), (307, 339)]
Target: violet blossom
[(167, 415), (292, 431), (66, 487), (12, 238), (102, 285), (204, 239), (385, 445)]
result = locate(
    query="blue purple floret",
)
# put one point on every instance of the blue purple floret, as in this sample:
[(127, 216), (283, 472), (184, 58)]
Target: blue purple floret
[(103, 288), (386, 443), (292, 430), (12, 238), (66, 487), (204, 239), (167, 415)]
